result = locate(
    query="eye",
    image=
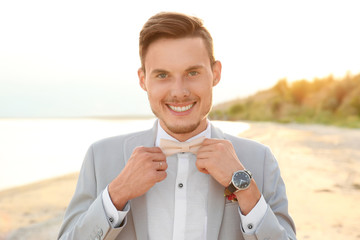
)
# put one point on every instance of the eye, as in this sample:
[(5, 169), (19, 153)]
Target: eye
[(193, 73), (162, 75)]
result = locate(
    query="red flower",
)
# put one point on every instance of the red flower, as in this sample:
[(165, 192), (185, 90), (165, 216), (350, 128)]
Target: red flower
[(230, 196)]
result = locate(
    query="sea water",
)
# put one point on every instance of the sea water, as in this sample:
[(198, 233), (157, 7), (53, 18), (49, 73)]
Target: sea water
[(35, 149)]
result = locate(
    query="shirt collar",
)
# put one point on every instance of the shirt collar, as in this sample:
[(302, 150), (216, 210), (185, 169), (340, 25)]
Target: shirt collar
[(161, 134)]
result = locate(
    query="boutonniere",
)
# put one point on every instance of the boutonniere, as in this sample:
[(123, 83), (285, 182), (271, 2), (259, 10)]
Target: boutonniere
[(230, 196)]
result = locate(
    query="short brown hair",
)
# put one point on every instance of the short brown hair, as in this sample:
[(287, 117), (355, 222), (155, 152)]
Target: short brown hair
[(173, 25)]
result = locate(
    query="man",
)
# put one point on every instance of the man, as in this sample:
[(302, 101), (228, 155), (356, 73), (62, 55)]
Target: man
[(143, 186)]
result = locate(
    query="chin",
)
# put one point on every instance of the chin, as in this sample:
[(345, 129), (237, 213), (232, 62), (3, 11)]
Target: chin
[(182, 129)]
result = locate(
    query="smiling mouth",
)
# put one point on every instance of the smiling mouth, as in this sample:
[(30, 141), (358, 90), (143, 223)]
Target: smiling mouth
[(181, 109)]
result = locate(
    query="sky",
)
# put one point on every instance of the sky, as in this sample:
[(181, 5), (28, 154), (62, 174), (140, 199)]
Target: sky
[(80, 58)]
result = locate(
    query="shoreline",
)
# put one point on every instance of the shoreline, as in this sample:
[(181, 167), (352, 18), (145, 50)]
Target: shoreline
[(36, 184), (309, 156), (37, 149)]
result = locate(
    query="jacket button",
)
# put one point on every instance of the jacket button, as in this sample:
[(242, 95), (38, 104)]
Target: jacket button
[(250, 226)]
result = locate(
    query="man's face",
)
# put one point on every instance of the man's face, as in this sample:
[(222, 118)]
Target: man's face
[(179, 79)]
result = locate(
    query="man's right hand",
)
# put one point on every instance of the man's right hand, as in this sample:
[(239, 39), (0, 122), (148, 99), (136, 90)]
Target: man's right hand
[(143, 170)]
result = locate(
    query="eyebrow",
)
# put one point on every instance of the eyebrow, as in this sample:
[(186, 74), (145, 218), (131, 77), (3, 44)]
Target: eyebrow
[(194, 67), (157, 71)]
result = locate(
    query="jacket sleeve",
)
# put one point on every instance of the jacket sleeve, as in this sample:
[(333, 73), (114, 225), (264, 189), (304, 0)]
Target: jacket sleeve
[(85, 217), (277, 223)]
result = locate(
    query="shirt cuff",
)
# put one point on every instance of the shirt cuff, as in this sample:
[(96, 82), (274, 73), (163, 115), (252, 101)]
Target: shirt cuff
[(251, 221), (114, 216)]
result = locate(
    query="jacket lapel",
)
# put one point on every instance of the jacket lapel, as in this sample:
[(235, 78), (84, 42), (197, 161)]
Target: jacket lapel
[(138, 205), (216, 199)]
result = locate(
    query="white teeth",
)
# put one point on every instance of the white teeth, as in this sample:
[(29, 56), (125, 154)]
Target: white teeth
[(181, 109)]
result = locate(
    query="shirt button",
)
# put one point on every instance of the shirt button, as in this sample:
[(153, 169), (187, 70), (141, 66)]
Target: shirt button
[(250, 226), (111, 219), (180, 185)]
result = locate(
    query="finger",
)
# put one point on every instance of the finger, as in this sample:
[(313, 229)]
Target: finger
[(207, 148), (147, 153), (218, 146), (160, 166), (201, 165), (209, 141), (203, 170), (204, 151), (153, 156), (153, 149), (205, 155), (148, 149), (157, 157), (160, 176)]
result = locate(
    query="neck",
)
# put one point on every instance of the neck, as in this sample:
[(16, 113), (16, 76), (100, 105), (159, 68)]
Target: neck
[(182, 137)]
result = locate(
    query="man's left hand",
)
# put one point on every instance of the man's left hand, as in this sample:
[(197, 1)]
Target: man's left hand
[(217, 157)]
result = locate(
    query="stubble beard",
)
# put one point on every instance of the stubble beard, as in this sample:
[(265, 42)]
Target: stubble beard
[(176, 129)]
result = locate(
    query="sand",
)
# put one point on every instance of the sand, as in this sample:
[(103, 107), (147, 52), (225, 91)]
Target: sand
[(320, 166), (35, 211)]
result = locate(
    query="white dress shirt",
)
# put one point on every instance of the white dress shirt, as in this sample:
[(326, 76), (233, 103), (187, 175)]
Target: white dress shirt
[(177, 206)]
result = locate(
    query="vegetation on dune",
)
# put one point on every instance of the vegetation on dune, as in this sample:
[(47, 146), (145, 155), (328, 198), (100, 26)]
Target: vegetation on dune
[(325, 101)]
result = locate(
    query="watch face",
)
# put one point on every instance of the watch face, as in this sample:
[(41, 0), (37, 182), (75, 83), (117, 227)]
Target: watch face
[(241, 180)]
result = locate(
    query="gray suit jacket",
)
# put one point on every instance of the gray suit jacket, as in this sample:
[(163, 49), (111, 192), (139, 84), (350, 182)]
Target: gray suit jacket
[(85, 216)]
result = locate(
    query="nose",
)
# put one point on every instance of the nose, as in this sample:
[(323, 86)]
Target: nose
[(179, 88)]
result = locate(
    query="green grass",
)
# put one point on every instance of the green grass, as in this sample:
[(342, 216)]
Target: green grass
[(322, 101)]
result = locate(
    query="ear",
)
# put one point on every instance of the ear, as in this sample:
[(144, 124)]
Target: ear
[(141, 75), (216, 69)]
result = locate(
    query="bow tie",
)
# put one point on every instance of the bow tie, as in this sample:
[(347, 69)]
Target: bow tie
[(170, 147)]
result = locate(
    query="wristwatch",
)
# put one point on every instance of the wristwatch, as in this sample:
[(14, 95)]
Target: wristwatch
[(240, 181)]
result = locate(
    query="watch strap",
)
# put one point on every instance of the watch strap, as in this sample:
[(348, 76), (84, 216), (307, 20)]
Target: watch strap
[(248, 172), (232, 188)]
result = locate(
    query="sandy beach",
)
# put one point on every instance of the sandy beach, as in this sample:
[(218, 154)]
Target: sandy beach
[(320, 166)]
